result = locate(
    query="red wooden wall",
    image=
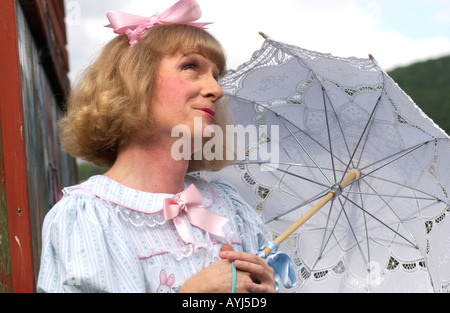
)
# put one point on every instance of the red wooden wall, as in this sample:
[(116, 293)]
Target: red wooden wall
[(45, 20)]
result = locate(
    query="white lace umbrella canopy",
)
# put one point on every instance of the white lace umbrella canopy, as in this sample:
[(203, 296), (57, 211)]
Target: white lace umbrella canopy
[(387, 231)]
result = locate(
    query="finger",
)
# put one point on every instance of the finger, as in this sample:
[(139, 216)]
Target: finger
[(260, 274), (260, 288), (250, 263), (244, 256), (249, 258), (226, 247), (256, 269), (242, 280)]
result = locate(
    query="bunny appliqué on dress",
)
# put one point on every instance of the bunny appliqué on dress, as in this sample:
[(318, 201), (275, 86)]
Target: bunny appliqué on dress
[(166, 283)]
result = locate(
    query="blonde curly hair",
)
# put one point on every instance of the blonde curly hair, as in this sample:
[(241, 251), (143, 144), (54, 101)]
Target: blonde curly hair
[(110, 102)]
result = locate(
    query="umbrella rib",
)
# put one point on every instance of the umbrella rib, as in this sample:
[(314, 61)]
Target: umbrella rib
[(340, 126), (324, 244), (315, 198), (390, 208), (284, 171), (408, 151), (365, 142), (302, 177), (334, 227), (391, 196), (361, 137), (404, 153), (282, 163), (281, 117), (304, 149), (409, 187), (329, 133), (367, 137), (365, 223), (381, 222), (352, 230)]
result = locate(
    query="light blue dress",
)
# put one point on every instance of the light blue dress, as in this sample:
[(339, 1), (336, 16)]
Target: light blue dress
[(105, 237)]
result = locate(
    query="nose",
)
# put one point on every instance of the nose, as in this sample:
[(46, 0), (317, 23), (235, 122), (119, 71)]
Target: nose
[(213, 90)]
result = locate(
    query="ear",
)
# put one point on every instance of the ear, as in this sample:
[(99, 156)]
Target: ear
[(171, 280), (163, 277)]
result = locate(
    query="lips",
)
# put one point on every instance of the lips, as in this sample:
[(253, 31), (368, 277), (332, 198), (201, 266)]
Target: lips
[(210, 113)]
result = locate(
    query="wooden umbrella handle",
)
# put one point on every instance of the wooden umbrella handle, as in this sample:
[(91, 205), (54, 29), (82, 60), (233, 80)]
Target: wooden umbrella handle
[(352, 175)]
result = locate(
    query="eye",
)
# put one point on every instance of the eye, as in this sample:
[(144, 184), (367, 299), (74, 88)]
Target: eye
[(190, 67), (190, 64)]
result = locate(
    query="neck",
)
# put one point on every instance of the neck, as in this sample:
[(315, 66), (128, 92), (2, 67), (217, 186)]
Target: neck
[(149, 167)]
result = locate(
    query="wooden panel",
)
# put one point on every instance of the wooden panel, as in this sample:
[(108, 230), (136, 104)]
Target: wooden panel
[(14, 155), (5, 255), (46, 21)]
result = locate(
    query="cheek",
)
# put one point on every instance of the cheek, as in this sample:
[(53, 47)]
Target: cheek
[(171, 102), (173, 92), (175, 85)]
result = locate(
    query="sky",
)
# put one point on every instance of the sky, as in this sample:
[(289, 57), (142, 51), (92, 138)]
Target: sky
[(395, 32)]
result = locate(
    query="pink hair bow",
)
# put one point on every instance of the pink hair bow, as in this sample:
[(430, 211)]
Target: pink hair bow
[(188, 204), (184, 12)]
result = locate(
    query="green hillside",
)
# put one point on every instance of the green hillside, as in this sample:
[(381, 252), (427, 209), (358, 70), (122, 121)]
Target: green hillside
[(428, 84)]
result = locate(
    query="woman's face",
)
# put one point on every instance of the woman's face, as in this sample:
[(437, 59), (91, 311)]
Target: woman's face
[(186, 87)]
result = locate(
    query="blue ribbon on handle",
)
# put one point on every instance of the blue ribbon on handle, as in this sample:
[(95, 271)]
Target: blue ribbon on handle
[(233, 286), (281, 264)]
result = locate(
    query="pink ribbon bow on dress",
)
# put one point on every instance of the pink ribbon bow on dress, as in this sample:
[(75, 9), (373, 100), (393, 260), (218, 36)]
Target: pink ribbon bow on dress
[(184, 12), (188, 205)]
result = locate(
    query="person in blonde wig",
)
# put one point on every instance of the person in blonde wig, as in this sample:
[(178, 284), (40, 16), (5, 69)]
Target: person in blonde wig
[(145, 225)]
